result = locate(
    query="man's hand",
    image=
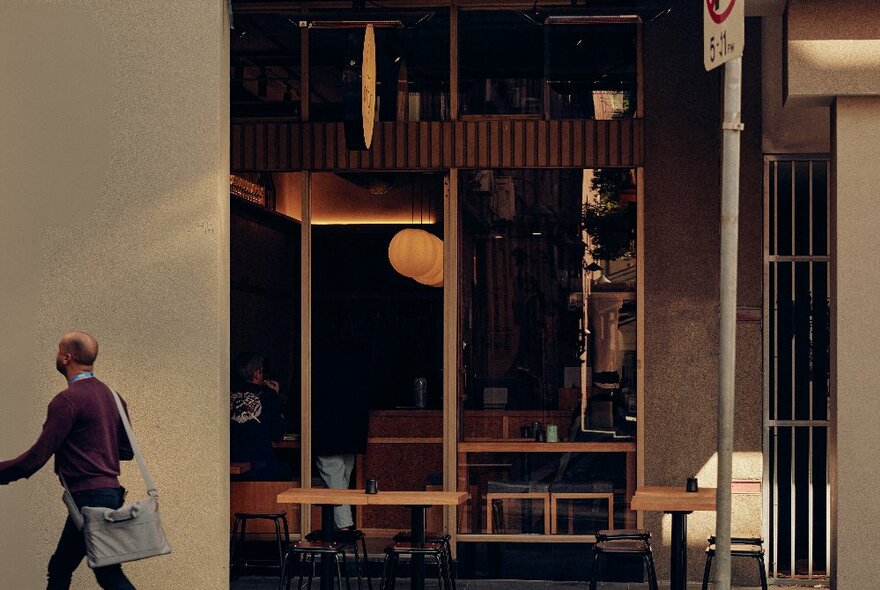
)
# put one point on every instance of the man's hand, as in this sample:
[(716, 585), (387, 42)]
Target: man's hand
[(272, 385)]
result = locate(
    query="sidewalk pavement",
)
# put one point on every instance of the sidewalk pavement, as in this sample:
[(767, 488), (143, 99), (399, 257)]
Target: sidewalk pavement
[(271, 583)]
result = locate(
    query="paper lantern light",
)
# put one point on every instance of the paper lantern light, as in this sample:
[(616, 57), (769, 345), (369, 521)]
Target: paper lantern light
[(413, 252), (434, 276)]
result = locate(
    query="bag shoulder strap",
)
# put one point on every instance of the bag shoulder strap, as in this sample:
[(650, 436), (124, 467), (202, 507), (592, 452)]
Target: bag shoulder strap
[(151, 489)]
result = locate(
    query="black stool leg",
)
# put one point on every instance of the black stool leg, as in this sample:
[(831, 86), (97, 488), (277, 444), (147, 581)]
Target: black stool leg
[(366, 563), (345, 568), (442, 582), (357, 565), (386, 571), (278, 540), (284, 571), (393, 574), (339, 573), (241, 538), (232, 545), (595, 573), (707, 571), (762, 572), (652, 573)]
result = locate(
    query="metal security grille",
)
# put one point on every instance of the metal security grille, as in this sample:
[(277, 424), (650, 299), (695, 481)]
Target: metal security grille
[(797, 330)]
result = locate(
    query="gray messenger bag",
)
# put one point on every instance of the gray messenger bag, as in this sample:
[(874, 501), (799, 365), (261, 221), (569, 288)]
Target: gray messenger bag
[(128, 533)]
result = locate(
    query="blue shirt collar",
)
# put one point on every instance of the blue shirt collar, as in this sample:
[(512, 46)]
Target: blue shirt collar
[(85, 375)]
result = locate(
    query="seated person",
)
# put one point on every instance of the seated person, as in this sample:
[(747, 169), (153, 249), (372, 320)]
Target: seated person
[(256, 420), (340, 415)]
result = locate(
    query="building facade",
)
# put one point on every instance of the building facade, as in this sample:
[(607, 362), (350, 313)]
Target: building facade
[(117, 222)]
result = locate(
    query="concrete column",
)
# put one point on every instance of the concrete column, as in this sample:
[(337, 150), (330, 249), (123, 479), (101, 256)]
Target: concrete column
[(114, 188), (856, 403)]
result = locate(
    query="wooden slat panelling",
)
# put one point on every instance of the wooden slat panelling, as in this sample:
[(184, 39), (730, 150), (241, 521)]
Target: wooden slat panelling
[(296, 147), (438, 145), (425, 146), (235, 145), (543, 140), (484, 131), (519, 144), (625, 136), (554, 146), (614, 143), (530, 130), (284, 146), (436, 130), (578, 149), (248, 162), (449, 144), (412, 145), (400, 146), (343, 156), (260, 143), (566, 130)]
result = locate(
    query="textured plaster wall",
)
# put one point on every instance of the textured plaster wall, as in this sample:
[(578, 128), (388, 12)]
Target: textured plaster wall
[(682, 249), (855, 480), (113, 180), (790, 128), (833, 50)]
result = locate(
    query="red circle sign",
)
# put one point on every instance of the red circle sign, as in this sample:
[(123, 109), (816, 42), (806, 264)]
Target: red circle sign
[(719, 17)]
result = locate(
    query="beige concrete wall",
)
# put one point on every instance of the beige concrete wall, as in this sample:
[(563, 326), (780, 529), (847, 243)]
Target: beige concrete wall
[(787, 128), (113, 181), (857, 406), (833, 50), (682, 219)]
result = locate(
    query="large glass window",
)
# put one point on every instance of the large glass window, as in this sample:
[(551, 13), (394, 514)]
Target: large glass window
[(549, 404), (412, 69), (377, 333), (591, 70), (501, 64), (264, 323), (537, 65), (265, 75)]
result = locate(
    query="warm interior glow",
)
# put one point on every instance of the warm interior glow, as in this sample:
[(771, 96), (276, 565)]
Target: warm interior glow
[(336, 201)]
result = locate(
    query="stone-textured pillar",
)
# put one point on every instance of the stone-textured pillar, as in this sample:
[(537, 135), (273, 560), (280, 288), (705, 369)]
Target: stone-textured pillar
[(856, 403), (114, 188)]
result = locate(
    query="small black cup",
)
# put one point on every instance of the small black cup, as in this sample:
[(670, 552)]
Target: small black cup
[(691, 484), (372, 487)]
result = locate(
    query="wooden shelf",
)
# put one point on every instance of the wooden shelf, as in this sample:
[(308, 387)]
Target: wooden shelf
[(515, 446)]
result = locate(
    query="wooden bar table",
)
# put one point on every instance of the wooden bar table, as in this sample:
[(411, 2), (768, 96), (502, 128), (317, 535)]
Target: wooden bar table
[(418, 501), (679, 503)]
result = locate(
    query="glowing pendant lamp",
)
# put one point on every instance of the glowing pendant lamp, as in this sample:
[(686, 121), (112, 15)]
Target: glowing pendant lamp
[(413, 252), (434, 277)]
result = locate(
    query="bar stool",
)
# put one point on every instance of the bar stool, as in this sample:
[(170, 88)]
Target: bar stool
[(238, 537), (441, 539), (624, 547), (752, 547), (309, 550), (618, 534), (433, 550), (350, 538)]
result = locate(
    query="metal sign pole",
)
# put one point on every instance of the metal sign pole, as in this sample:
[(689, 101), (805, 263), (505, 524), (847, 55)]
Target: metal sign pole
[(731, 128)]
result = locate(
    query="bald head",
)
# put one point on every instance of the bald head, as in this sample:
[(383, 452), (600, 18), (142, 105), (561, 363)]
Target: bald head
[(82, 348)]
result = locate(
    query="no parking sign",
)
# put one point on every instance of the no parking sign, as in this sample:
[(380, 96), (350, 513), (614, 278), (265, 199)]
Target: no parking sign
[(723, 31)]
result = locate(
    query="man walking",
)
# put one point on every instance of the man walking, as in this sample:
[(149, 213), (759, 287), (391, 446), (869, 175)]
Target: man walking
[(85, 433)]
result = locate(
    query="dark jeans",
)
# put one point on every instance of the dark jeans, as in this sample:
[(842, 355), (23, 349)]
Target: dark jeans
[(72, 547)]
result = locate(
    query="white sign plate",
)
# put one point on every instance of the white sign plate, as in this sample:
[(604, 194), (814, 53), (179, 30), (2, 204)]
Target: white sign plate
[(723, 31)]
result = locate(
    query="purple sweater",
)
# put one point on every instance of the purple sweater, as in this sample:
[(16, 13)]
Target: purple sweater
[(84, 431)]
